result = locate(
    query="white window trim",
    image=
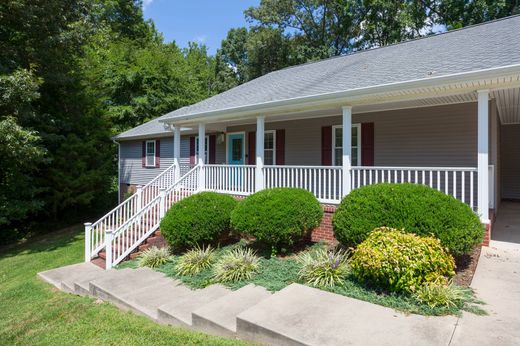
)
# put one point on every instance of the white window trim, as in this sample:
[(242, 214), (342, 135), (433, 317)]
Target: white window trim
[(274, 145), (358, 126), (205, 153), (146, 153)]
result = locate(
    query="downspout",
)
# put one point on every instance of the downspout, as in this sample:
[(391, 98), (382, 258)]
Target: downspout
[(118, 171)]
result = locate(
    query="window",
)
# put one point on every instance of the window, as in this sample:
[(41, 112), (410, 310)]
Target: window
[(206, 149), (337, 145), (150, 153), (269, 147)]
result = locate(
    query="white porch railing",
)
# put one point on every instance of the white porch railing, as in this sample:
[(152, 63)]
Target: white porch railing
[(122, 241), (231, 179), (325, 182), (95, 233), (460, 182)]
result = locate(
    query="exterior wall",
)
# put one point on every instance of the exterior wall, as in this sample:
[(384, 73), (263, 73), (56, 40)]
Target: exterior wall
[(133, 173), (510, 161), (433, 136)]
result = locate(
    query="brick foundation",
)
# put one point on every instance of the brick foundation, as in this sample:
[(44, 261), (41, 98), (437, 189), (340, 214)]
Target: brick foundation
[(324, 231)]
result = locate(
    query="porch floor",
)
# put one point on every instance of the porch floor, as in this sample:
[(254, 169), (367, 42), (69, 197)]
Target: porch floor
[(507, 225)]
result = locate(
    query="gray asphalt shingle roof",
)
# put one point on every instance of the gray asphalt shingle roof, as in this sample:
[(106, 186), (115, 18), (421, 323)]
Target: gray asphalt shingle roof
[(493, 44)]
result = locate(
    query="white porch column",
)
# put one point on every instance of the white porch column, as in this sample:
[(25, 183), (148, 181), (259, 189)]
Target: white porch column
[(201, 155), (483, 160), (347, 148), (177, 151), (259, 171)]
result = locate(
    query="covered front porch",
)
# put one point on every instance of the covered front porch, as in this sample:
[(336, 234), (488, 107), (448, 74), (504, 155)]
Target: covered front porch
[(446, 143)]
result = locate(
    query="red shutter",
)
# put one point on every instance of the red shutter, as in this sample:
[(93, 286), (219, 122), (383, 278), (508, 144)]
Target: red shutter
[(280, 147), (192, 150), (367, 144), (326, 145), (157, 153), (212, 157), (251, 151), (143, 153)]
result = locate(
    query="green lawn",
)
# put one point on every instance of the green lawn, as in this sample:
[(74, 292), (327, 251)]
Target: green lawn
[(33, 312)]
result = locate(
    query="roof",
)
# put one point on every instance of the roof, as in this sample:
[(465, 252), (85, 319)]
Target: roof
[(484, 46)]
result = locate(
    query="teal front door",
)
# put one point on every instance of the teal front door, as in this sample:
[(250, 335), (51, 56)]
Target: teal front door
[(236, 149)]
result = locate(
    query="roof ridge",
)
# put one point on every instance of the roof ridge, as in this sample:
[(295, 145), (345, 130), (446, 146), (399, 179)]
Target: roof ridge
[(472, 26)]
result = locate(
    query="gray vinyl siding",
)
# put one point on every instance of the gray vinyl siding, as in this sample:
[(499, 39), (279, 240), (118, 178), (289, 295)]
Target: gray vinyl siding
[(510, 161), (131, 169), (433, 136)]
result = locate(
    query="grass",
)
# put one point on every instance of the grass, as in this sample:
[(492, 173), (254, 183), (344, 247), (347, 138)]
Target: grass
[(275, 273), (35, 313)]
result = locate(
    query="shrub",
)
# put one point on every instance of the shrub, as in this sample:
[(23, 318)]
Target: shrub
[(154, 257), (414, 208), (439, 295), (277, 217), (236, 265), (197, 220), (322, 268), (398, 261), (195, 260)]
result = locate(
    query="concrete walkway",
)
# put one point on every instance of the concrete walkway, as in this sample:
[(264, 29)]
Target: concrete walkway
[(301, 315), (506, 229), (497, 282)]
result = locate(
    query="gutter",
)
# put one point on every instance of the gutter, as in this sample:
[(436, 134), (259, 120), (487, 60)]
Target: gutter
[(343, 96)]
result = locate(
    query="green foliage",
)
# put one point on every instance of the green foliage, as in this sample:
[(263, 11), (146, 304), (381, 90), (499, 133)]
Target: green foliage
[(199, 219), (277, 217), (323, 268), (415, 208), (401, 262), (195, 260), (154, 257), (236, 265), (441, 295)]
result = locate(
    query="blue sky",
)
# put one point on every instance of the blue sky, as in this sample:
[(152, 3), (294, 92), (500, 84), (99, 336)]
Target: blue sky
[(203, 21)]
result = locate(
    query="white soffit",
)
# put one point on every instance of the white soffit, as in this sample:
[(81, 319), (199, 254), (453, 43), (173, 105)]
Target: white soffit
[(508, 105)]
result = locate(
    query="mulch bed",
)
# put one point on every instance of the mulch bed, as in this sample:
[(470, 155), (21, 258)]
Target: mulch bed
[(466, 266)]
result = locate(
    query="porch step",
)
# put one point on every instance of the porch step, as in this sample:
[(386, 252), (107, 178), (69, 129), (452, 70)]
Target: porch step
[(219, 316), (179, 312), (57, 276)]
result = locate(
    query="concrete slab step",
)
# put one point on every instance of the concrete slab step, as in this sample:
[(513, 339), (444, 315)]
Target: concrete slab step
[(178, 313), (219, 316), (82, 285), (58, 275), (93, 272), (146, 300), (116, 284), (301, 315)]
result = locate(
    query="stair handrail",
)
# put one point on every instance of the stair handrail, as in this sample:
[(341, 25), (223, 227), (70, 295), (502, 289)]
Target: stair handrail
[(119, 243), (115, 218)]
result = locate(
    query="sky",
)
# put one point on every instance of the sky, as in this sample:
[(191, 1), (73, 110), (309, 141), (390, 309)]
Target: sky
[(202, 21)]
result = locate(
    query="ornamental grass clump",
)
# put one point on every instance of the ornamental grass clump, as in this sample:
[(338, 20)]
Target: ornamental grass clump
[(323, 268), (195, 260), (440, 295), (154, 257), (401, 262), (236, 265)]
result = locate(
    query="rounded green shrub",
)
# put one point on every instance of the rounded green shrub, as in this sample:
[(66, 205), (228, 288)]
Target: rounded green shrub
[(277, 217), (197, 220), (414, 208), (401, 262)]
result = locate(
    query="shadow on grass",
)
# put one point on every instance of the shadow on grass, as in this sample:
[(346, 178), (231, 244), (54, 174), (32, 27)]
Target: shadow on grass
[(44, 242)]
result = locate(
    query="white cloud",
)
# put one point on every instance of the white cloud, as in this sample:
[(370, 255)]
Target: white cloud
[(147, 3)]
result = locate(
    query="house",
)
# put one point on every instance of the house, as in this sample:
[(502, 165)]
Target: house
[(442, 111)]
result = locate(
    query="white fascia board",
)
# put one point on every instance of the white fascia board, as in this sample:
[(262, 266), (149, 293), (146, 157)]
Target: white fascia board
[(341, 97)]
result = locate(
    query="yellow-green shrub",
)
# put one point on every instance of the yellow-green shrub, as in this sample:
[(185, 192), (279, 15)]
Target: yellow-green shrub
[(399, 261)]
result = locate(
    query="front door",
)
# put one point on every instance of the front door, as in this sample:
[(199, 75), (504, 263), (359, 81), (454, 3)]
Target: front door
[(236, 149)]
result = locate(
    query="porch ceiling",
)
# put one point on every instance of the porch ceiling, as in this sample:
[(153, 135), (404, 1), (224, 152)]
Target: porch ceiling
[(508, 104)]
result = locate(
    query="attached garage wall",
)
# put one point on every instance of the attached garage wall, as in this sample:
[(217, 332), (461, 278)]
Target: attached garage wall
[(510, 161)]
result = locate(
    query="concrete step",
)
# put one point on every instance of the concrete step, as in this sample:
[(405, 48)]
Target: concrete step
[(146, 300), (93, 272), (82, 284), (178, 313), (219, 316), (308, 316), (58, 275), (118, 283)]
